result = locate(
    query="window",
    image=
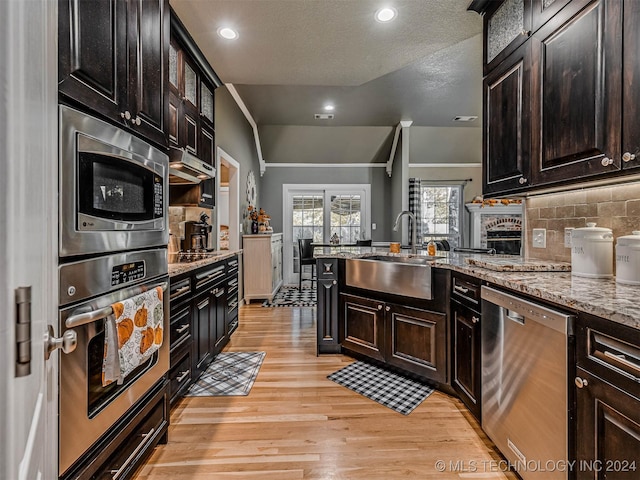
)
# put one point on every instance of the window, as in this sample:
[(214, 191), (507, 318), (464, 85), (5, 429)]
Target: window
[(439, 212), (346, 217)]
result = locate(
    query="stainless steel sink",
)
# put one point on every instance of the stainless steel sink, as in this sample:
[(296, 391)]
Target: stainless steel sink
[(398, 275)]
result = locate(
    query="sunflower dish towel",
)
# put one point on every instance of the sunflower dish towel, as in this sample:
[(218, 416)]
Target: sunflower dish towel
[(132, 334)]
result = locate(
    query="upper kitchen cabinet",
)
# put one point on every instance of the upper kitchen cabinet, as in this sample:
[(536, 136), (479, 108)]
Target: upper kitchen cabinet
[(631, 86), (192, 82), (507, 25), (112, 57), (577, 104), (507, 123)]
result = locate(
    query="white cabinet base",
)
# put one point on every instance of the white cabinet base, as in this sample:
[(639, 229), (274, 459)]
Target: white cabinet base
[(262, 266)]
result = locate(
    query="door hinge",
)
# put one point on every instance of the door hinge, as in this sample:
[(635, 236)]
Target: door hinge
[(23, 331)]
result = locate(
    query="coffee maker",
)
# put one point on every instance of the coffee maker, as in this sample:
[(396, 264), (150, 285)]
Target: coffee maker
[(196, 235)]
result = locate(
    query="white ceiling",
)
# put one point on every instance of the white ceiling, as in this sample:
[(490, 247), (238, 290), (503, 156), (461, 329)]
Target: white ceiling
[(292, 56)]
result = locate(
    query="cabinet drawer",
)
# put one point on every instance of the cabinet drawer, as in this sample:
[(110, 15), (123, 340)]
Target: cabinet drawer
[(466, 291), (609, 350), (208, 278), (232, 266), (180, 327), (179, 291), (180, 376)]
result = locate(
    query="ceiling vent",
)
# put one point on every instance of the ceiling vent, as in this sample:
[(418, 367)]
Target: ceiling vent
[(323, 116), (464, 118)]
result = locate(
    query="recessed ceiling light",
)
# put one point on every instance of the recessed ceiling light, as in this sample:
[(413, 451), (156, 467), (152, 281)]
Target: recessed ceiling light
[(228, 33), (386, 14), (465, 118), (329, 108)]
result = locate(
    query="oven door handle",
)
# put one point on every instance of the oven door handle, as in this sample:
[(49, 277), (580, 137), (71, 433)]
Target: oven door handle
[(95, 315)]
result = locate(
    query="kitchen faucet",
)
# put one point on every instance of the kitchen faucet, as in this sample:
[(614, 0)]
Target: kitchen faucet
[(414, 247)]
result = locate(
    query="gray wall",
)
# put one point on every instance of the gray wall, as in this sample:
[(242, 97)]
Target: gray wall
[(446, 144), (298, 144), (274, 178), (395, 193), (235, 136)]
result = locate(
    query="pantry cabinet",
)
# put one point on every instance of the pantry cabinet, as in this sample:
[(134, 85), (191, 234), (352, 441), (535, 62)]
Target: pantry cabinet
[(112, 60)]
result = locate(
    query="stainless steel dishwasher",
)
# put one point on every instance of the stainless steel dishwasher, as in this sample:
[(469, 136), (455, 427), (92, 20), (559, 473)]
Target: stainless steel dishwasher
[(525, 406)]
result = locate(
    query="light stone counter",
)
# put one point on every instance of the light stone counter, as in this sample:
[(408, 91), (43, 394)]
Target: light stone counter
[(176, 269), (601, 297)]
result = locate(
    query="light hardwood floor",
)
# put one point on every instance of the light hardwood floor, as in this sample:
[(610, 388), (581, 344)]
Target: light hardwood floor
[(296, 424)]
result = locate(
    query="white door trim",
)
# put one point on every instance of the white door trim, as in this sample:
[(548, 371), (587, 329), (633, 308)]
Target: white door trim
[(223, 157), (291, 189)]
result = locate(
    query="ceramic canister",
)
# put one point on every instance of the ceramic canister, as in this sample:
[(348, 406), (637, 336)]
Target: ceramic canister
[(592, 252), (628, 259)]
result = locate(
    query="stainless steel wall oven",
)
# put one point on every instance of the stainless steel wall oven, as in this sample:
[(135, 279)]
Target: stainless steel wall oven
[(88, 288), (113, 188)]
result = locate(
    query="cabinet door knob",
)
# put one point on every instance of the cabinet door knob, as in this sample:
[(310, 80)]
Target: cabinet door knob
[(522, 181), (475, 319), (126, 115), (387, 308), (606, 161), (581, 382), (137, 121), (335, 282), (525, 32), (379, 307), (628, 156)]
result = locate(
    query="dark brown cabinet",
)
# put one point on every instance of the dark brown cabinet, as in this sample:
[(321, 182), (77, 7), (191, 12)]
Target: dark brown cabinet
[(608, 399), (364, 326), (631, 86), (577, 105), (417, 341), (465, 344), (112, 59), (409, 338), (507, 124), (327, 310)]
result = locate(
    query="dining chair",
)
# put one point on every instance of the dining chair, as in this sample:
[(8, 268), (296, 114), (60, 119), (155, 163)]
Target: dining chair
[(305, 254)]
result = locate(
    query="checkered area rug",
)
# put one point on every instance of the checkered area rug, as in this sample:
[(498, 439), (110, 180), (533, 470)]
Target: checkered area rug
[(231, 373), (387, 388), (292, 297)]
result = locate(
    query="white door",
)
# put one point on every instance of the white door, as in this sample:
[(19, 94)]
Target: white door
[(320, 212), (28, 235)]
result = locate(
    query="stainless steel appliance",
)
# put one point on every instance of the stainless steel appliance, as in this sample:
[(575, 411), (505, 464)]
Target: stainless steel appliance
[(525, 406), (113, 188), (87, 410), (186, 168)]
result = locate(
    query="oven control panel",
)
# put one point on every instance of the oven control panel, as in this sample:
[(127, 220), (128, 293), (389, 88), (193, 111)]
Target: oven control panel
[(127, 272)]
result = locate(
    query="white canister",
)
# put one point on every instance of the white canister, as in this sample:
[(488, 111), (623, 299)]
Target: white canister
[(592, 252), (628, 259)]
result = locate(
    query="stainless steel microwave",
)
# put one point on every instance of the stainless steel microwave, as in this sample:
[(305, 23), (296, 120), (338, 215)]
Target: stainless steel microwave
[(113, 188)]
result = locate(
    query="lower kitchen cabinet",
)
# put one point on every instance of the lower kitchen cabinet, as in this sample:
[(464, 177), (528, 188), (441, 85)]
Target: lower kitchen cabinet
[(465, 344), (608, 400), (409, 338), (363, 324), (209, 321), (417, 341)]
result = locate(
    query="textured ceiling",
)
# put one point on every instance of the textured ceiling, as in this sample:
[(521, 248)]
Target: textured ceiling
[(292, 56)]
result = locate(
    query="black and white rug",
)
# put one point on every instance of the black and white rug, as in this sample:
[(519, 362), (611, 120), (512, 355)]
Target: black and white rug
[(292, 297), (231, 373), (394, 391)]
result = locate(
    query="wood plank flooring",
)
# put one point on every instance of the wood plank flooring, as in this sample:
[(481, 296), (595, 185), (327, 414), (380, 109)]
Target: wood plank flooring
[(296, 424)]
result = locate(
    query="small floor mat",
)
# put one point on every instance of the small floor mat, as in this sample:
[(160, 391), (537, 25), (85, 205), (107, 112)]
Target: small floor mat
[(292, 297), (231, 373), (394, 391)]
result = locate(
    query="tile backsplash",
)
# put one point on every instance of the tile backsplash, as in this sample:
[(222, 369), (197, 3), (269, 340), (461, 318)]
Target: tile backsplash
[(616, 207)]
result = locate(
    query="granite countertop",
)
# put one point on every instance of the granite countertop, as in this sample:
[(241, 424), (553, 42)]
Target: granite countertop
[(601, 297), (183, 267)]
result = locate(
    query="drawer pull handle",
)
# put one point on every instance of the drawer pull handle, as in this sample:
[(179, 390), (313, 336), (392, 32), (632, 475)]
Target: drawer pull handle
[(180, 291), (623, 360), (182, 376), (581, 382), (182, 328), (460, 289), (147, 438)]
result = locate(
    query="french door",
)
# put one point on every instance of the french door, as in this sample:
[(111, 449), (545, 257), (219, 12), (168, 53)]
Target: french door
[(311, 211)]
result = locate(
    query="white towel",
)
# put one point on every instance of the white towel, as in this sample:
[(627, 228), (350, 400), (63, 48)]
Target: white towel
[(132, 334)]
